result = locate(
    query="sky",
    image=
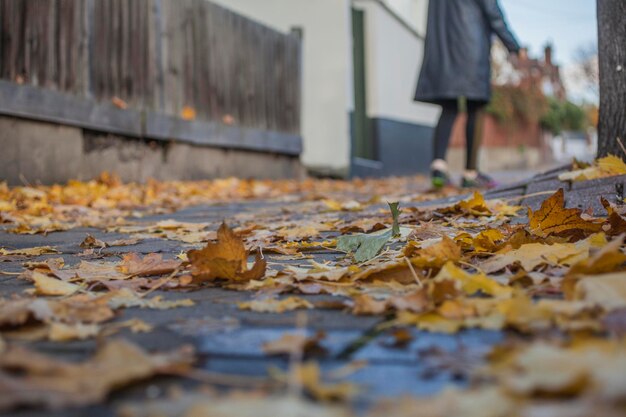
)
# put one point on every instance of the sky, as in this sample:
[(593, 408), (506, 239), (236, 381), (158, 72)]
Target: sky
[(568, 24)]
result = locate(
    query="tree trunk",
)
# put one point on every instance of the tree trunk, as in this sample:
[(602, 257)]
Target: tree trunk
[(612, 57)]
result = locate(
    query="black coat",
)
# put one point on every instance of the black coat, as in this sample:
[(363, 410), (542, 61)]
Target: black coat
[(458, 48)]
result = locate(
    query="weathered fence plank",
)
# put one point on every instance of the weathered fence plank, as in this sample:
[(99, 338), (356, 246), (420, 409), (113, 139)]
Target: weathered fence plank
[(157, 56)]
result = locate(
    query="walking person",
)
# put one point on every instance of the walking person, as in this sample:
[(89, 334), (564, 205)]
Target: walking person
[(457, 65)]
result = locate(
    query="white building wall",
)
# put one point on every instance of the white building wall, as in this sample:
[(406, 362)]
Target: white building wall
[(394, 57), (327, 72), (415, 12)]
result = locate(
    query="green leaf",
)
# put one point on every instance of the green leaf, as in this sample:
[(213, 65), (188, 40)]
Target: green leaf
[(365, 247), (395, 213)]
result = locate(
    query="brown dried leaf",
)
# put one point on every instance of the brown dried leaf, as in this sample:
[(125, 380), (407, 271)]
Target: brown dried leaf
[(471, 284), (609, 258), (554, 219), (32, 379), (125, 298), (606, 291), (150, 265), (616, 223), (36, 251), (233, 404), (309, 376), (226, 259), (435, 255), (272, 305), (92, 242), (61, 332), (46, 285), (294, 344), (475, 206)]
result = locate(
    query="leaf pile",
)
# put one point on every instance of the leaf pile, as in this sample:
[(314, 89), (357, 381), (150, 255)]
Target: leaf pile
[(556, 276)]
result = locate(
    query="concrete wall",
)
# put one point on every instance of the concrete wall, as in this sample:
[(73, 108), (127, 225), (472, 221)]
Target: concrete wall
[(327, 72), (39, 152)]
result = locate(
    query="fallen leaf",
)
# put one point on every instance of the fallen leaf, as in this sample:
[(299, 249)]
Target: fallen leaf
[(606, 291), (452, 402), (435, 254), (123, 242), (608, 166), (366, 304), (554, 219), (272, 305), (188, 113), (609, 258), (45, 285), (233, 404), (542, 368), (475, 206), (615, 222), (367, 246), (226, 259), (36, 251), (150, 265), (119, 103), (401, 338), (416, 301), (309, 376), (127, 299), (92, 242), (32, 379), (61, 332), (294, 344), (335, 205), (471, 284), (364, 246), (530, 256)]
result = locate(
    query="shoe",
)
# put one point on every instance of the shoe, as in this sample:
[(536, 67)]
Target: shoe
[(439, 173), (439, 179), (475, 179)]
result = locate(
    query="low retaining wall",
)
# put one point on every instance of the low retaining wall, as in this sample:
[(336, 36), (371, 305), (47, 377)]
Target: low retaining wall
[(42, 152)]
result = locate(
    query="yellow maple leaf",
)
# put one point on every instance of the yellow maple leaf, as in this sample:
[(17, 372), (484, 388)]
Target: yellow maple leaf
[(475, 205), (554, 219), (485, 241), (608, 166), (612, 164), (434, 255), (531, 255), (472, 283)]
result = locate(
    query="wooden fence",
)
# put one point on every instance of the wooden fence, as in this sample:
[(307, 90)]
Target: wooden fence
[(158, 56)]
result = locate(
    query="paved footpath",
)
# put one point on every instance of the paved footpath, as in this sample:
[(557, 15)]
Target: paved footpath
[(229, 340)]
